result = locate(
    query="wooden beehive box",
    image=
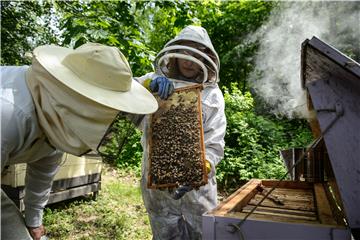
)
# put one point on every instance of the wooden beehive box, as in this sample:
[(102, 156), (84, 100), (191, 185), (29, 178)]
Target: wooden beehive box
[(71, 167), (176, 142), (77, 176), (327, 204), (305, 212)]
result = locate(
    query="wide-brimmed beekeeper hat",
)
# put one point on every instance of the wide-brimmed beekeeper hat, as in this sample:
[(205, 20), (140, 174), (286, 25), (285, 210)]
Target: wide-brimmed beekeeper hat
[(98, 72)]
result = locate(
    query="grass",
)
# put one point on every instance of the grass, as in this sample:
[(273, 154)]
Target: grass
[(117, 213)]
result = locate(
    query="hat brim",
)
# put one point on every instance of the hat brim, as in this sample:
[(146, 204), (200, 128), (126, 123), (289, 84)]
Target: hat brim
[(137, 100)]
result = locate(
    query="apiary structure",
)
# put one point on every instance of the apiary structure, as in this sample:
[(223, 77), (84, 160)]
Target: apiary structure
[(77, 176), (323, 199)]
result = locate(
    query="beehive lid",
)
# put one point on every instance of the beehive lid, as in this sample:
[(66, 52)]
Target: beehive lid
[(333, 83)]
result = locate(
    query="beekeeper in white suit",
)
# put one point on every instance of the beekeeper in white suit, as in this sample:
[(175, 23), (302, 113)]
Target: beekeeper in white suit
[(189, 58), (65, 101)]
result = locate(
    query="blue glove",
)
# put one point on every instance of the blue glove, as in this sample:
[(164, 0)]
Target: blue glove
[(163, 86), (180, 192)]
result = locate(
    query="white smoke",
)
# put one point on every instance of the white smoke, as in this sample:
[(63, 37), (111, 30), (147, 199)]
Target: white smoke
[(280, 48)]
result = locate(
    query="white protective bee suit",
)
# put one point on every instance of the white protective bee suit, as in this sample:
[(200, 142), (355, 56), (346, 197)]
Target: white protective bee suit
[(67, 99), (182, 219), (22, 140)]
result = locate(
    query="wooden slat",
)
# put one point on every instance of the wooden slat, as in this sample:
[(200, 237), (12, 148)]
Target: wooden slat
[(280, 214), (323, 207), (335, 202), (238, 199), (296, 200), (73, 192), (67, 183), (281, 211), (296, 193), (336, 192), (202, 140), (272, 218), (287, 184)]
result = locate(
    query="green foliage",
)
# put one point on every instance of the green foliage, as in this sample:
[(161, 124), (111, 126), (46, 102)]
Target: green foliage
[(131, 154), (253, 141), (229, 31), (122, 147), (24, 25), (346, 35), (107, 22), (166, 19)]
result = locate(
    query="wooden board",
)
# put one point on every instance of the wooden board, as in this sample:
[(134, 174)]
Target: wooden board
[(323, 205), (302, 202), (71, 167), (275, 217), (62, 189), (296, 199), (238, 199), (176, 141)]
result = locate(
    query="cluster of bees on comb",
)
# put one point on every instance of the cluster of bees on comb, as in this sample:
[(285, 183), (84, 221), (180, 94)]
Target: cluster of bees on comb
[(176, 151)]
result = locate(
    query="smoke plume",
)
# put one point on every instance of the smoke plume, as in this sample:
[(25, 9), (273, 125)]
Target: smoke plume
[(277, 75)]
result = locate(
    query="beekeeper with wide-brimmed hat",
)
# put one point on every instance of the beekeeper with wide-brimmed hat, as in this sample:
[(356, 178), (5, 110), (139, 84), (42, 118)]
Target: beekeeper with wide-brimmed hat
[(64, 102)]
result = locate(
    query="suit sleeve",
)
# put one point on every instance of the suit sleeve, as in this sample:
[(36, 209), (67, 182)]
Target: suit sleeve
[(214, 125), (38, 182)]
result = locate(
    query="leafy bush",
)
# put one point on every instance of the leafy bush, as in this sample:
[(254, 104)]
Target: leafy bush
[(131, 154), (122, 147), (253, 141)]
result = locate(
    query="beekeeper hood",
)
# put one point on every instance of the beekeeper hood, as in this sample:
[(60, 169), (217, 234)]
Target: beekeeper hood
[(78, 93), (193, 44)]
